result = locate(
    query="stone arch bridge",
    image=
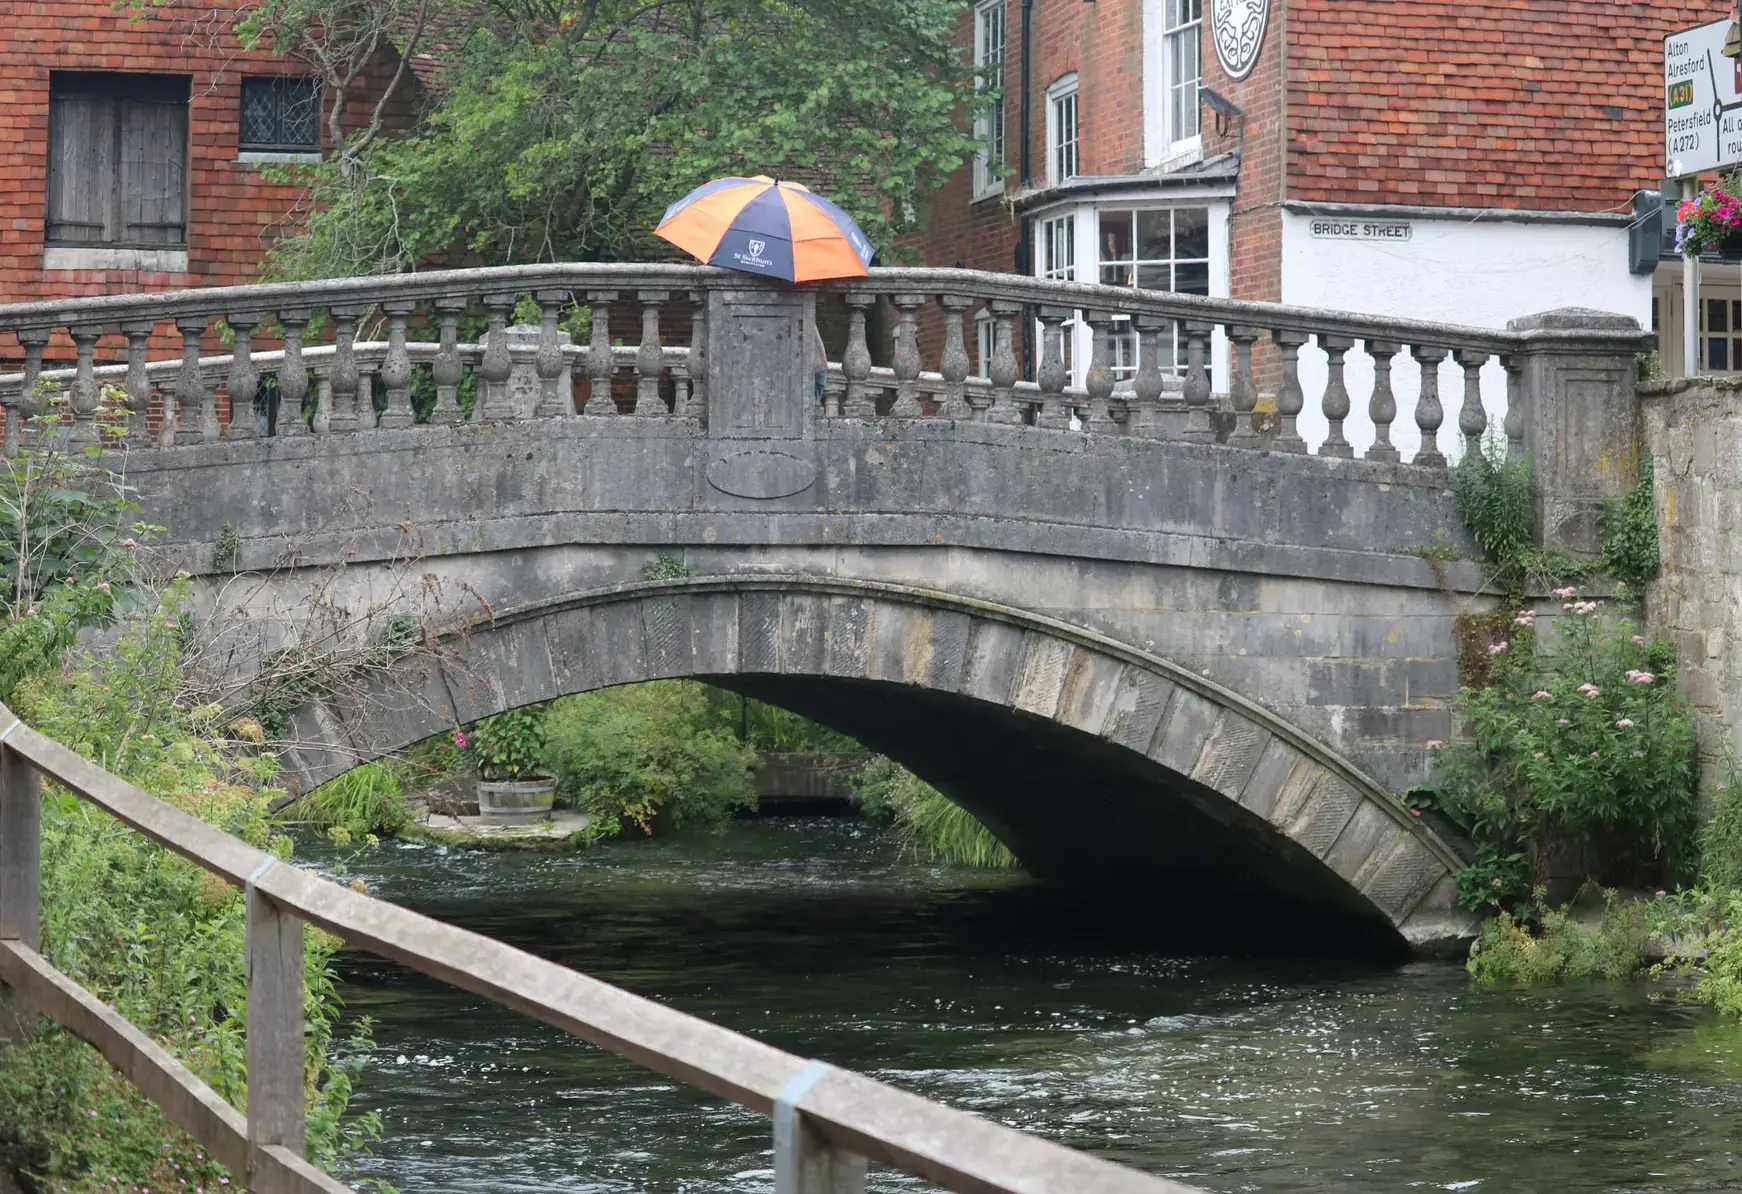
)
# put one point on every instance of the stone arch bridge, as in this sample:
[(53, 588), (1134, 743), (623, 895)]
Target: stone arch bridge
[(1136, 627)]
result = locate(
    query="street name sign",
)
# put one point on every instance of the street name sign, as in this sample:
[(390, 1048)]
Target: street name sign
[(1702, 111)]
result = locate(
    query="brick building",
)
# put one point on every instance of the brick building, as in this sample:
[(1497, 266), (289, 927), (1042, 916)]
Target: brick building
[(1468, 162), (135, 147)]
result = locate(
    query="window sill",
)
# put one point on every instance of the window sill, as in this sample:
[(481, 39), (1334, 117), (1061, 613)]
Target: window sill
[(993, 192), (1180, 155), (262, 157), (87, 257)]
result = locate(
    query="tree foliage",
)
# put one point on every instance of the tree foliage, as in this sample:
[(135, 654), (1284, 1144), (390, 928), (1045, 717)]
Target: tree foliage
[(559, 130)]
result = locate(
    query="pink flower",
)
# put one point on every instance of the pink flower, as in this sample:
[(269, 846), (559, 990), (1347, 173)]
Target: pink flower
[(1541, 696), (103, 586), (1593, 694), (1640, 639), (1539, 754), (1593, 754), (130, 544), (1562, 722), (1626, 723), (1414, 812), (460, 739), (1569, 591), (1660, 891), (1644, 678), (1498, 648), (1435, 744)]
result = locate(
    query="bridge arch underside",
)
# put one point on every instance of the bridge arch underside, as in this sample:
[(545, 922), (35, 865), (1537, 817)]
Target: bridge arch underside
[(1099, 766)]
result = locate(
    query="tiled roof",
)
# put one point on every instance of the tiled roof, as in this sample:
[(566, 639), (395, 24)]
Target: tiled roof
[(1480, 103)]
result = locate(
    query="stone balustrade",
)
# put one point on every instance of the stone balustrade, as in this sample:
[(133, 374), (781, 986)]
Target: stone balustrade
[(1551, 362)]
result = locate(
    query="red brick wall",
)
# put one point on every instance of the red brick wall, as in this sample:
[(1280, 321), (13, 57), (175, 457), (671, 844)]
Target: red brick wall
[(1255, 230), (1554, 104), (234, 213)]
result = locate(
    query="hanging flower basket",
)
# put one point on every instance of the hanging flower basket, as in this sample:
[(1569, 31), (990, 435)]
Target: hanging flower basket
[(1713, 221)]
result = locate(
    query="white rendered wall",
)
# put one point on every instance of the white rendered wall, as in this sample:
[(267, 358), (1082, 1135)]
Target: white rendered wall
[(1481, 272)]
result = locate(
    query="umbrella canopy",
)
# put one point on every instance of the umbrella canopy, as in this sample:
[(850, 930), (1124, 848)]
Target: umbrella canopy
[(775, 229)]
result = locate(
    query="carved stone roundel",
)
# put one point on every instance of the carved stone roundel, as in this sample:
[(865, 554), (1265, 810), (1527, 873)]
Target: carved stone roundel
[(1237, 28)]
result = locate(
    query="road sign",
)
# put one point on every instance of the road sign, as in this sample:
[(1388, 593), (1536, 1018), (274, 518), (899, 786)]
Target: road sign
[(1702, 112)]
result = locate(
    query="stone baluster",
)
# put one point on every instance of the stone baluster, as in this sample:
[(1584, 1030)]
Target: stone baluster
[(396, 366), (680, 388), (1197, 383), (1382, 406), (697, 406), (906, 355), (1514, 406), (31, 405), (293, 375), (138, 333), (321, 420), (243, 380), (446, 370), (953, 364), (1099, 380), (1004, 369), (344, 381), (1243, 388), (1146, 387), (1472, 417), (556, 397), (1290, 400), (650, 356), (1336, 400), (856, 360), (1053, 375), (1428, 412), (600, 365), (190, 387), (85, 395), (496, 404)]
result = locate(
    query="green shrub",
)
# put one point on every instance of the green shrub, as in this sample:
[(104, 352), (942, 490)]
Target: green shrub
[(930, 823), (367, 799), (648, 752), (1590, 747), (1492, 494), (1561, 950), (1630, 552), (1720, 983), (506, 746), (771, 728), (1721, 839), (152, 934)]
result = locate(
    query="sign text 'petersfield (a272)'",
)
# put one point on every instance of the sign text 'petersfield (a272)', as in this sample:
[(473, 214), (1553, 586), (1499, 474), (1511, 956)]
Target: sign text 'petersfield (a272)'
[(1702, 111)]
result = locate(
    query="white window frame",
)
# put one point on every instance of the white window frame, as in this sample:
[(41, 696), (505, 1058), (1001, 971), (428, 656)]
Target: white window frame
[(1162, 33), (989, 127), (1063, 130), (1084, 220), (985, 342)]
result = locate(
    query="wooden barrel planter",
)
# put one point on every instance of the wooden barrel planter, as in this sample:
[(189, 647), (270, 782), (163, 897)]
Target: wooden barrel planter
[(515, 802)]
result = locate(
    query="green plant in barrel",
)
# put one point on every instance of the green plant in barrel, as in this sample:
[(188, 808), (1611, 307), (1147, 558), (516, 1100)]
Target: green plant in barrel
[(506, 746)]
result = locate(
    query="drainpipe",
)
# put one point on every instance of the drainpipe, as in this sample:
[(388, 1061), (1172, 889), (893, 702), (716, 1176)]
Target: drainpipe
[(1025, 232)]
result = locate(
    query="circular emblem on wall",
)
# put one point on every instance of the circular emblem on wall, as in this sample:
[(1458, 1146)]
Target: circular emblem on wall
[(1237, 28)]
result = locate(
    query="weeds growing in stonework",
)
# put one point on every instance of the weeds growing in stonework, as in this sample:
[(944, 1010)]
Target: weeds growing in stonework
[(932, 826), (1581, 755)]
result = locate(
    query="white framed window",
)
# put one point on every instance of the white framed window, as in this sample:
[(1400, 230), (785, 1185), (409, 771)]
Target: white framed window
[(1164, 248), (1061, 130), (1057, 262), (1181, 32), (989, 127)]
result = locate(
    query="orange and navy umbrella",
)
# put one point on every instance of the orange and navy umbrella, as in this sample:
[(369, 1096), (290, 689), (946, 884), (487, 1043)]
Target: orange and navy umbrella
[(760, 226)]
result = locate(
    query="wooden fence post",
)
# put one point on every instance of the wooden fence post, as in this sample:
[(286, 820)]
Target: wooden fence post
[(276, 1053), (804, 1162), (20, 871)]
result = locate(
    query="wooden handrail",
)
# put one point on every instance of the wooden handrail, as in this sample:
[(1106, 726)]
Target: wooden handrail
[(826, 1119)]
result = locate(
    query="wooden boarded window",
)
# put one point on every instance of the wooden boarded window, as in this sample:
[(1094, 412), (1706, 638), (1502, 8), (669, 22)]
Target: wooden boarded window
[(117, 165)]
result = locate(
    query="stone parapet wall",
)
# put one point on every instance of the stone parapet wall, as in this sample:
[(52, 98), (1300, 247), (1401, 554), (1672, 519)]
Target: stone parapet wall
[(1693, 430)]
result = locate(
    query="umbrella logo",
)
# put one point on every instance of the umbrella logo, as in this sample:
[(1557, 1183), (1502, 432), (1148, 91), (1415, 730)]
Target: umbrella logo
[(756, 247)]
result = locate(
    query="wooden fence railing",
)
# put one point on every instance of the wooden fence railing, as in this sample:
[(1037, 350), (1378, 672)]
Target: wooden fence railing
[(828, 1122)]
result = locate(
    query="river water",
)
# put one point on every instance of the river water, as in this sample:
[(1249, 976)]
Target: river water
[(1228, 1071)]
